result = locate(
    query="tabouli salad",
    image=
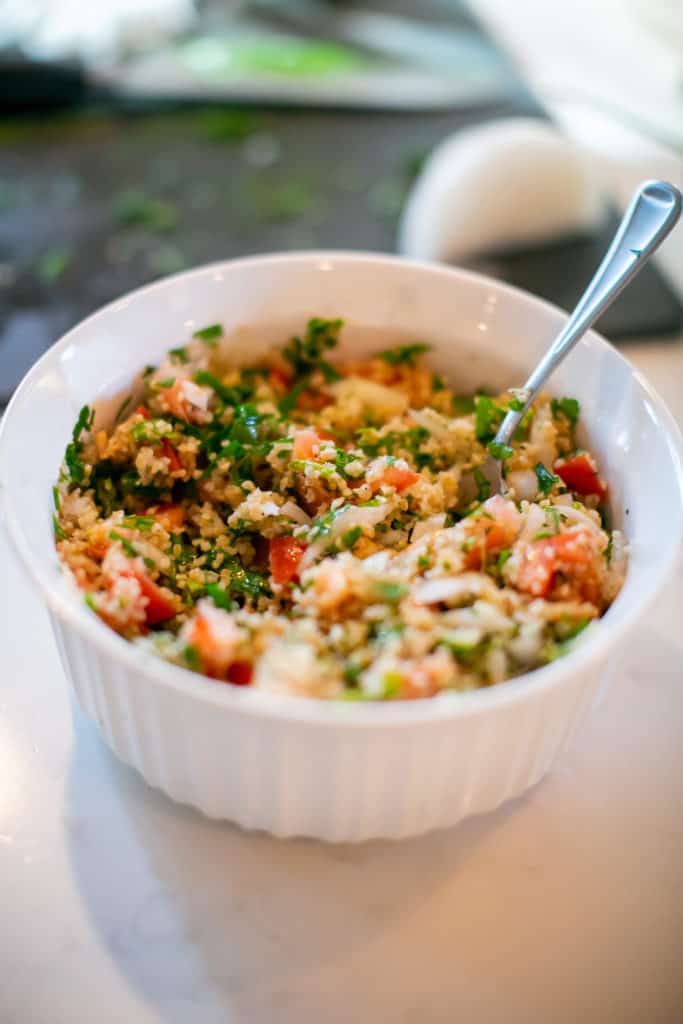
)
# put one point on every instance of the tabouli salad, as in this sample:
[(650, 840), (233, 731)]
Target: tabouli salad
[(322, 528)]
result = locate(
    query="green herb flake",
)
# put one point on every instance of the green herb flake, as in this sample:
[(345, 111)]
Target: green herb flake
[(463, 405), (72, 455), (389, 591), (424, 562), (55, 498), (500, 451), (351, 536), (403, 354), (487, 418), (164, 384), (59, 532), (306, 354), (570, 408), (392, 683), (179, 355), (352, 670), (220, 597), (192, 658), (128, 548), (503, 556), (209, 335), (546, 479), (142, 523)]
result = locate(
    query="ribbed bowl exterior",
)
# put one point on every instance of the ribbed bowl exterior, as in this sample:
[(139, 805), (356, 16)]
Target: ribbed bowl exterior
[(294, 778), (338, 771)]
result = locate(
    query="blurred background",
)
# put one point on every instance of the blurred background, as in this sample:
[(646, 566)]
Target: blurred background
[(141, 137)]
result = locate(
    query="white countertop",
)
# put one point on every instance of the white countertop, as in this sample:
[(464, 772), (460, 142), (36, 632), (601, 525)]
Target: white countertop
[(118, 906)]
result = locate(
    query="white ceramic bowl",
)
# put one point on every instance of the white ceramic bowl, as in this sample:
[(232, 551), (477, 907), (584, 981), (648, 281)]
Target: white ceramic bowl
[(290, 765)]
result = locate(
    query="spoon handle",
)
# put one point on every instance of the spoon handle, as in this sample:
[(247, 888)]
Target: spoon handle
[(652, 214)]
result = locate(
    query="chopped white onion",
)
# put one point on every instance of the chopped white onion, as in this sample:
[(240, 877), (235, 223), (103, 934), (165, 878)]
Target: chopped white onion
[(294, 512), (578, 516), (524, 484), (348, 519), (428, 526), (437, 425), (376, 397)]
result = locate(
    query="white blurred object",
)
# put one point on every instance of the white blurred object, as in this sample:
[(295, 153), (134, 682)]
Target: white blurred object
[(664, 19), (623, 56), (511, 182), (93, 32), (621, 157)]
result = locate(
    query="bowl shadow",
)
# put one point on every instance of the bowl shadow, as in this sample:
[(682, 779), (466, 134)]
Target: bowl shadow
[(209, 922)]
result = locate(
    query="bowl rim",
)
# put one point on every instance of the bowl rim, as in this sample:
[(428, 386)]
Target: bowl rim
[(357, 714)]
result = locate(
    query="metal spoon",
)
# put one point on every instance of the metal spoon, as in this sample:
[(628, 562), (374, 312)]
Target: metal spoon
[(653, 212)]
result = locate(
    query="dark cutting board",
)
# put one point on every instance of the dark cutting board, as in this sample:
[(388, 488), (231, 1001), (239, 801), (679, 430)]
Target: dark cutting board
[(96, 202)]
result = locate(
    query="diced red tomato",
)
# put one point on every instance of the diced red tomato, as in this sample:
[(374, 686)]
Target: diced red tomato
[(159, 608), (401, 479), (306, 444), (240, 673), (143, 411), (171, 517), (284, 556), (313, 400), (572, 554), (279, 380), (495, 527), (580, 474), (169, 452), (216, 650)]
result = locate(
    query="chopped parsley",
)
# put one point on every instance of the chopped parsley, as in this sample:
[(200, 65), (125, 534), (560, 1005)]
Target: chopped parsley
[(143, 523), (209, 335), (72, 456), (247, 582), (546, 479), (179, 355), (59, 532), (128, 548), (570, 408), (488, 416), (220, 597), (462, 405), (503, 556), (351, 536), (192, 658), (351, 672), (229, 395), (403, 354), (306, 354), (500, 451)]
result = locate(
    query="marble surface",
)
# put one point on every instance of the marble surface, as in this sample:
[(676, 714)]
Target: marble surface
[(566, 905)]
